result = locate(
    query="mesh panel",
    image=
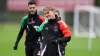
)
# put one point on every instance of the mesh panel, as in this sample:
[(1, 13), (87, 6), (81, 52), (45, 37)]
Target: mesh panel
[(88, 22), (83, 23), (97, 24)]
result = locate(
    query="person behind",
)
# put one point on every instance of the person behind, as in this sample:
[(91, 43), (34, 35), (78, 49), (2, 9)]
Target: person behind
[(57, 14), (62, 47), (55, 33), (30, 21)]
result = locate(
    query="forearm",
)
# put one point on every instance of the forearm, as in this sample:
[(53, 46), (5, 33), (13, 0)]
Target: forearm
[(19, 36), (64, 39), (18, 39)]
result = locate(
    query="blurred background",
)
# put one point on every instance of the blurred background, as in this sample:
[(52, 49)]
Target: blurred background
[(82, 16)]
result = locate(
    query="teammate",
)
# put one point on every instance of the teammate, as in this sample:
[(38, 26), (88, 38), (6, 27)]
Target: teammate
[(62, 47), (27, 23), (57, 13), (55, 33)]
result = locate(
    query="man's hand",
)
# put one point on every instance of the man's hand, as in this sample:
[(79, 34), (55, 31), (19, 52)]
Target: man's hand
[(56, 41), (15, 47)]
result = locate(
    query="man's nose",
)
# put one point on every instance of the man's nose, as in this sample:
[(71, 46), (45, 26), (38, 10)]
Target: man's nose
[(46, 15), (32, 9)]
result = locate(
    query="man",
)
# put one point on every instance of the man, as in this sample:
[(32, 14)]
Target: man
[(28, 22), (62, 47), (55, 33), (57, 14)]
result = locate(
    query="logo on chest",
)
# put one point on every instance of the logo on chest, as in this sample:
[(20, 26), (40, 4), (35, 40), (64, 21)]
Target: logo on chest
[(46, 28), (55, 28), (33, 22)]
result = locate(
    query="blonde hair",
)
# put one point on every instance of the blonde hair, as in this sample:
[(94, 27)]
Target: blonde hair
[(49, 8)]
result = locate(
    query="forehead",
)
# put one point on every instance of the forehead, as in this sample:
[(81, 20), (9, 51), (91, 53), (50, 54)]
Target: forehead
[(45, 11), (48, 11), (31, 5)]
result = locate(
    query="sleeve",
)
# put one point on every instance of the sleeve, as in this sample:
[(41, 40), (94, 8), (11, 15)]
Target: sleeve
[(20, 34), (42, 18), (66, 32), (41, 26)]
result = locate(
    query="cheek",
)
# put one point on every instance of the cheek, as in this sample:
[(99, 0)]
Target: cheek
[(52, 15), (29, 9), (35, 9)]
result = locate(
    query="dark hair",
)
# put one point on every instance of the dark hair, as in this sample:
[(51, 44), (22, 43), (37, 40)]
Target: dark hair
[(31, 2), (57, 11)]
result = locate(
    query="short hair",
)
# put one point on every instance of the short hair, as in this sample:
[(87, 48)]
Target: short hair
[(49, 8), (58, 12), (31, 2)]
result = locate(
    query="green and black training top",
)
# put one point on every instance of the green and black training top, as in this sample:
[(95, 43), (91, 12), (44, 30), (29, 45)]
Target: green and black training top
[(27, 24)]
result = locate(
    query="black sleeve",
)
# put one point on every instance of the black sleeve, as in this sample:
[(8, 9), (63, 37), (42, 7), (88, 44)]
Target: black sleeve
[(20, 34), (64, 39)]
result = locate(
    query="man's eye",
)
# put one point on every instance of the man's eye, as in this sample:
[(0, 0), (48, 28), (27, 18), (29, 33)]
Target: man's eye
[(33, 7), (47, 12), (30, 7)]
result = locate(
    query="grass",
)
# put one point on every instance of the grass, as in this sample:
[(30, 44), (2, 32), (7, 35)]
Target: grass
[(76, 47)]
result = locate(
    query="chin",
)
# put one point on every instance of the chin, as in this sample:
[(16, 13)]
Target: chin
[(48, 18), (32, 13)]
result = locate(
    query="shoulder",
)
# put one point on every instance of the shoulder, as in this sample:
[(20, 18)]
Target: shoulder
[(62, 23), (23, 18), (46, 21), (42, 18)]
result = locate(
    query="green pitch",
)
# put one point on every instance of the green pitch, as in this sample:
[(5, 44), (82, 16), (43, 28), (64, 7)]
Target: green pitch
[(76, 47)]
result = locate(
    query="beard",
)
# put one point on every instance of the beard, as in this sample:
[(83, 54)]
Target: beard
[(34, 14)]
